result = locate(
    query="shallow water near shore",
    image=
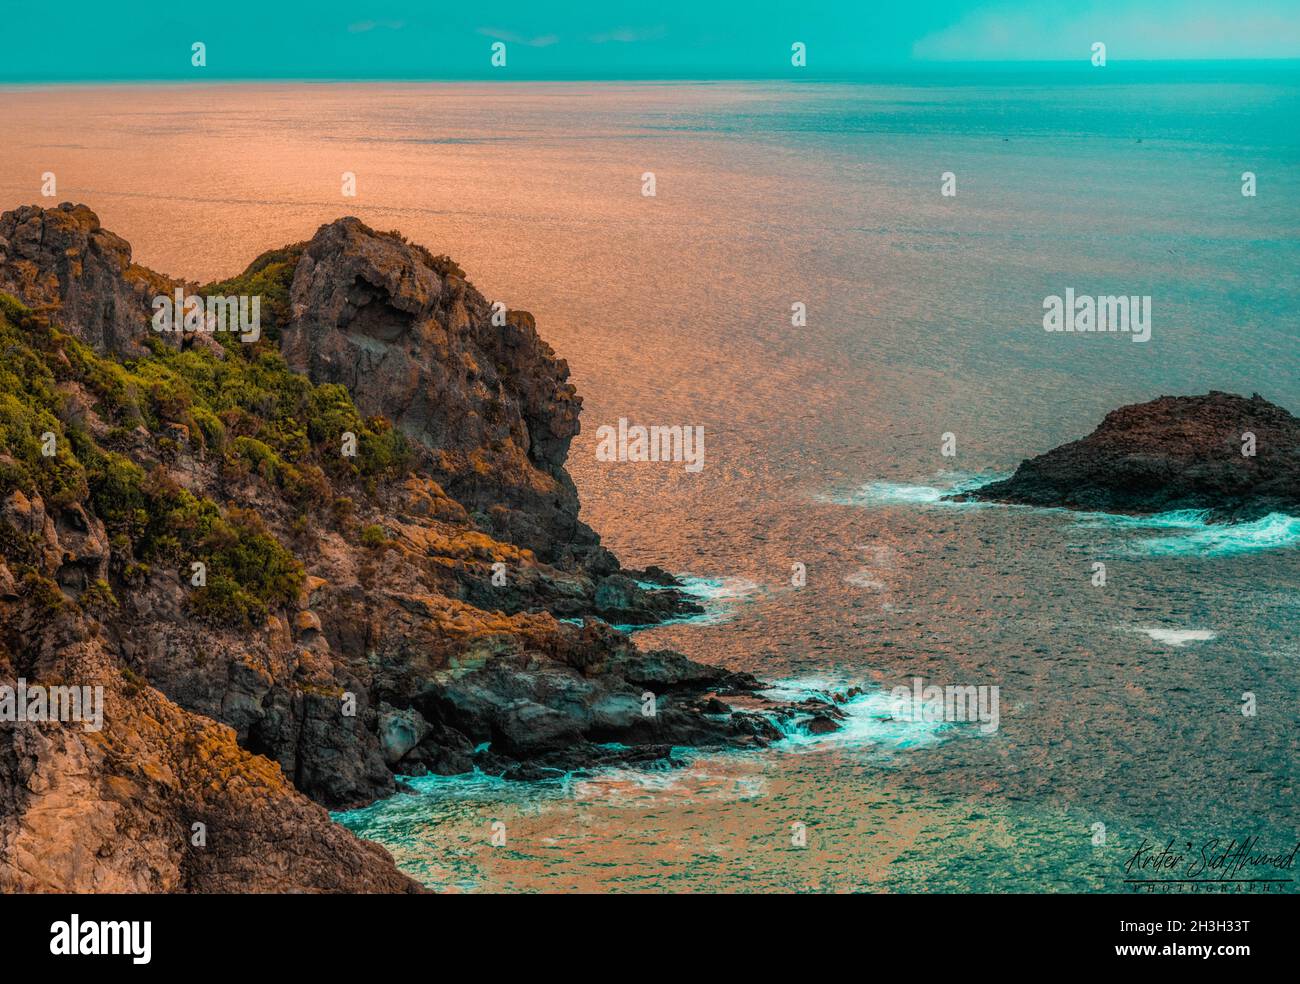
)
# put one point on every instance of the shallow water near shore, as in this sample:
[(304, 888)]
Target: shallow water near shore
[(1120, 704)]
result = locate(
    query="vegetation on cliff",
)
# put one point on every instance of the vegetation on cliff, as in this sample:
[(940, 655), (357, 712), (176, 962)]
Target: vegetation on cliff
[(243, 408)]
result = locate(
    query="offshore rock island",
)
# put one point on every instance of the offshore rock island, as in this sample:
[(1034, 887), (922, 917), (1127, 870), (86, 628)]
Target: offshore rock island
[(395, 611), (1170, 454)]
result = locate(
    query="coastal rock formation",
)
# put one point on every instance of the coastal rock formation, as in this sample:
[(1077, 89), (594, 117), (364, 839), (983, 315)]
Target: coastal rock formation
[(61, 257), (1173, 453), (280, 626), (159, 800), (412, 340)]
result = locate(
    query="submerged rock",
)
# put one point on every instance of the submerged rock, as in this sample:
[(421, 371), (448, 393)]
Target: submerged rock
[(1173, 453)]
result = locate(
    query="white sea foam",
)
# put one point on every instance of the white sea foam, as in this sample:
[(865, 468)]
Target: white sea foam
[(717, 595), (1179, 637), (902, 494), (869, 719), (1199, 537), (1272, 532)]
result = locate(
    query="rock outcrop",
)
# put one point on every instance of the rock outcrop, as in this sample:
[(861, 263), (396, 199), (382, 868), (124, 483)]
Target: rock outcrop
[(60, 257), (160, 799), (412, 340), (1173, 453), (280, 626)]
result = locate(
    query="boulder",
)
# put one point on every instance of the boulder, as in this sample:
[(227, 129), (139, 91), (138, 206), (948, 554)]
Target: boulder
[(399, 732)]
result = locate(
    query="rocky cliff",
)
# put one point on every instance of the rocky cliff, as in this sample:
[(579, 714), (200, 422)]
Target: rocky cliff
[(60, 258), (412, 340), (298, 566), (1173, 453)]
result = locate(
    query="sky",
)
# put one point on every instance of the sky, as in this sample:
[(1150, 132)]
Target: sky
[(616, 39)]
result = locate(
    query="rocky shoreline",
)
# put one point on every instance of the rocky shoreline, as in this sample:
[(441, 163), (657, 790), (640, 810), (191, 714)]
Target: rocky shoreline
[(396, 611), (1234, 458)]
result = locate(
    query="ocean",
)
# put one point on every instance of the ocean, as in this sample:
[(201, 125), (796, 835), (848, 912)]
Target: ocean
[(1120, 718)]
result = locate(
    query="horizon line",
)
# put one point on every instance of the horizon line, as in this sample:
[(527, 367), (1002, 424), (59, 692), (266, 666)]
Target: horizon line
[(1082, 65)]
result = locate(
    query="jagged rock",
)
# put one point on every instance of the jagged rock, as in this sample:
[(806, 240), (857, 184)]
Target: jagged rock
[(116, 810), (414, 341), (558, 714), (27, 516), (84, 546), (657, 575), (1173, 453), (61, 256), (310, 587), (399, 732), (663, 669)]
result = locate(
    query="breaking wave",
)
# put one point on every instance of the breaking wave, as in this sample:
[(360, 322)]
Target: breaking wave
[(1196, 536)]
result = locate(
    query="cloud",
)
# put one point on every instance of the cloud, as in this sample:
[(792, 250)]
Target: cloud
[(629, 35), (361, 27), (541, 41), (1050, 31)]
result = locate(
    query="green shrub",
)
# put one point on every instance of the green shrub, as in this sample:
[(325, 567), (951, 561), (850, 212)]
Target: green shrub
[(249, 407), (249, 571), (270, 276), (42, 594), (117, 492), (99, 599)]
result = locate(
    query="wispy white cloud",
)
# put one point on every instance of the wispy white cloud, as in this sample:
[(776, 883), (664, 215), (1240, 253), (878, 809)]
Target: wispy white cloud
[(541, 41), (361, 27), (1039, 30), (629, 35)]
